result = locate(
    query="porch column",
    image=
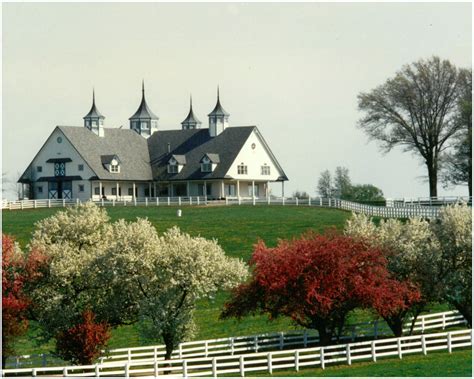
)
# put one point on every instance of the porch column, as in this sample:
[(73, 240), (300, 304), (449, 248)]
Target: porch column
[(238, 188), (267, 190), (187, 188), (222, 189), (253, 189), (117, 188), (205, 189), (282, 188), (100, 190), (134, 189), (149, 189)]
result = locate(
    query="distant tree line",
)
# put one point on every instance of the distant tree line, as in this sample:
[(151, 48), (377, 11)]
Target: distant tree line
[(341, 187)]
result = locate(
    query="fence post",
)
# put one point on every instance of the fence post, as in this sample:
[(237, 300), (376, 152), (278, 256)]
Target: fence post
[(226, 201), (255, 343), (423, 344), (374, 355), (450, 347), (146, 201), (305, 338), (197, 200), (309, 201), (33, 372), (232, 345), (268, 200), (206, 348), (422, 324), (348, 354), (320, 201), (297, 360), (240, 200), (179, 200), (124, 202), (155, 353), (127, 370), (321, 355), (214, 367), (65, 371), (353, 333), (43, 359), (281, 341), (157, 201), (269, 363), (376, 327), (96, 369), (113, 202), (64, 203), (155, 368), (296, 200), (21, 204), (444, 320), (242, 366), (399, 347), (283, 201), (134, 201), (34, 204), (77, 201), (190, 200), (253, 200), (180, 347), (168, 200), (49, 203), (129, 355), (185, 369)]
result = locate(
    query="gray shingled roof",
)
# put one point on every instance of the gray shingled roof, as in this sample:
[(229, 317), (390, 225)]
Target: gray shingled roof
[(214, 158), (181, 159), (218, 110), (191, 118), (94, 112), (128, 145), (194, 144)]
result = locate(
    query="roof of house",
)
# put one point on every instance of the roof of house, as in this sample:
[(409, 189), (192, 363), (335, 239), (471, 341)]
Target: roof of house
[(143, 110), (191, 118), (214, 158), (94, 112), (124, 143), (194, 144), (218, 109)]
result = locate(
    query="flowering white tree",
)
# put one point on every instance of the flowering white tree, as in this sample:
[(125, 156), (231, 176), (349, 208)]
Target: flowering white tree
[(169, 277), (125, 272)]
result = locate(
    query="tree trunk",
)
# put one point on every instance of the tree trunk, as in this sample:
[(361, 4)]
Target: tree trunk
[(325, 337), (395, 324), (169, 345), (433, 177), (4, 360)]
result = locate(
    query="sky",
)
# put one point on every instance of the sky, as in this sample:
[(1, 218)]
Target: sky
[(294, 70)]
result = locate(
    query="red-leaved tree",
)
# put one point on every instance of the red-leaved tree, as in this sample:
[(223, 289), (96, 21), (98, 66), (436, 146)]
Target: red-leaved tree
[(83, 343), (317, 280), (18, 271)]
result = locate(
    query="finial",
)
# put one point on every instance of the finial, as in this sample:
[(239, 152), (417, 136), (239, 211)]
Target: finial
[(143, 86), (218, 92), (191, 101), (93, 95)]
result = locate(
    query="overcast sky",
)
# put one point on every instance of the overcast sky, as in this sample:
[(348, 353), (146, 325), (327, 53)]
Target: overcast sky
[(294, 70)]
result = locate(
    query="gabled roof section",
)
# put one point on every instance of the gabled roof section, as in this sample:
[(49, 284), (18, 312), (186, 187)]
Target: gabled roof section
[(195, 144), (143, 111), (214, 158), (282, 176), (180, 159), (124, 143)]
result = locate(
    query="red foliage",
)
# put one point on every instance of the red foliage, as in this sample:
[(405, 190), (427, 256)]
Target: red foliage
[(316, 280), (18, 271), (82, 343)]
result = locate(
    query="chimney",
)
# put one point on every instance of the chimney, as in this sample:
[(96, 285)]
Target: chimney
[(169, 147)]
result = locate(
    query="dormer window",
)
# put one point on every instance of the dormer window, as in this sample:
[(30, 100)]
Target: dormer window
[(242, 169), (111, 163), (176, 163), (209, 162)]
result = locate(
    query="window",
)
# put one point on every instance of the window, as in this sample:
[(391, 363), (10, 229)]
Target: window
[(172, 169), (206, 167), (144, 125), (59, 139), (40, 189), (60, 169), (80, 167), (96, 191), (114, 168), (39, 168), (81, 187), (242, 169), (265, 170), (250, 190)]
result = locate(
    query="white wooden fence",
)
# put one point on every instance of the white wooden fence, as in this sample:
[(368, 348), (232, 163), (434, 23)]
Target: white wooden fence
[(253, 343), (398, 210), (265, 361)]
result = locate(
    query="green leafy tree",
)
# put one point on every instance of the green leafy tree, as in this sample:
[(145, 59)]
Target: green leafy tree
[(416, 109), (365, 193), (342, 183)]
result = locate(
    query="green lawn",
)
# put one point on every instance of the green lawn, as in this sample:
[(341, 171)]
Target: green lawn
[(236, 228), (440, 364)]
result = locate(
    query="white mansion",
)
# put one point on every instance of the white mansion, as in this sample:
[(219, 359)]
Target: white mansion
[(96, 162)]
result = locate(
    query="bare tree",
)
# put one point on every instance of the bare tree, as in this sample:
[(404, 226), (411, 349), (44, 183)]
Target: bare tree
[(342, 182), (457, 166), (415, 110), (325, 186)]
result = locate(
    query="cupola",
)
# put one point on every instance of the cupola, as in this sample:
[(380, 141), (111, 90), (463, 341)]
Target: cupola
[(191, 121), (218, 118), (144, 121), (94, 120)]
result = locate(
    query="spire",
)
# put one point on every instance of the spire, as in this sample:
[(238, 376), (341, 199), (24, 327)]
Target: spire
[(94, 112), (143, 111), (218, 109), (191, 121)]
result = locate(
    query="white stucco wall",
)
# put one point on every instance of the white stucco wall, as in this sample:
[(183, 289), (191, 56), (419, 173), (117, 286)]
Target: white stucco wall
[(253, 159)]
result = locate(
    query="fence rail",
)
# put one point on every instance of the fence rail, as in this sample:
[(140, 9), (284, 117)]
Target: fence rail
[(396, 208), (253, 343), (265, 361)]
